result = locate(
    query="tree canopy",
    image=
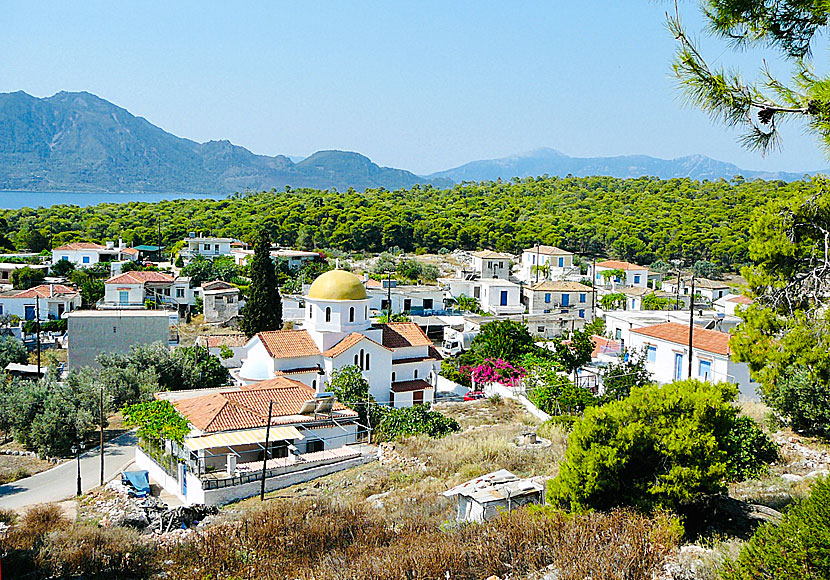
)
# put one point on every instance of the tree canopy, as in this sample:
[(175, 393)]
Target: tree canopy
[(263, 309)]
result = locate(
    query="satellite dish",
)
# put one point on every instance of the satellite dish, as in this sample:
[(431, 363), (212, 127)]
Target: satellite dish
[(308, 407)]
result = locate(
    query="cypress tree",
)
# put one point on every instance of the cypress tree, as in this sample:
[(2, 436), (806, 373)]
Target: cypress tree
[(263, 309)]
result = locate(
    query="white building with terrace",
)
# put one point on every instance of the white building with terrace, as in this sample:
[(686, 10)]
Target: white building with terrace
[(397, 359)]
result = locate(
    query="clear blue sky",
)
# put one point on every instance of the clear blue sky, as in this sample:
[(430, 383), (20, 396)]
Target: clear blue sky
[(419, 85)]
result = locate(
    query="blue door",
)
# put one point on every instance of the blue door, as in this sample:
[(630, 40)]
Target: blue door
[(29, 312), (566, 299), (678, 366), (504, 297)]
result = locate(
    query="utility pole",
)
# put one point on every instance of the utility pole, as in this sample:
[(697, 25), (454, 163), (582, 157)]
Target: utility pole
[(158, 252), (594, 288), (677, 302), (389, 296), (691, 323), (37, 330), (537, 261), (101, 431), (265, 453)]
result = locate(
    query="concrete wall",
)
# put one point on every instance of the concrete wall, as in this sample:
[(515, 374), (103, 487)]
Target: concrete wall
[(220, 307), (91, 333)]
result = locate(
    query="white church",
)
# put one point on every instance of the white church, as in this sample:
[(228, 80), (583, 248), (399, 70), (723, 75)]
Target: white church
[(397, 359)]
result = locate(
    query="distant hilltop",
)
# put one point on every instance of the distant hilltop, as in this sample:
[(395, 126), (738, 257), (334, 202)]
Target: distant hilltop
[(80, 142)]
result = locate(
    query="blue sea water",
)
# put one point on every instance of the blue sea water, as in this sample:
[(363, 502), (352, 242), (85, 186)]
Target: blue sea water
[(35, 199)]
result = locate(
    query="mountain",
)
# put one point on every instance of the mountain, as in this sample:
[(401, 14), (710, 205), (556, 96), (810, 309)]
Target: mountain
[(553, 162), (80, 142)]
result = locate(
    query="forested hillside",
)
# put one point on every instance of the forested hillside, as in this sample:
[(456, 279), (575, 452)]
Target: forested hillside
[(634, 219)]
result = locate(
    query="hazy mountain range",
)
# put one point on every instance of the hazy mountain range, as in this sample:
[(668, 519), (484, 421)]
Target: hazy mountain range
[(80, 142)]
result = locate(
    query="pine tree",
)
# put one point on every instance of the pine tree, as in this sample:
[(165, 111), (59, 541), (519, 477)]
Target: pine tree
[(263, 309)]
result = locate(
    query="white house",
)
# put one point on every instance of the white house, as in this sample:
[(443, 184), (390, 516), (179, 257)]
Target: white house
[(496, 296), (85, 254), (220, 301), (397, 359), (633, 275), (6, 269), (711, 290), (206, 247), (489, 264), (559, 296), (728, 303), (295, 258), (556, 262), (486, 496), (134, 289), (667, 356), (52, 300), (412, 299), (221, 458)]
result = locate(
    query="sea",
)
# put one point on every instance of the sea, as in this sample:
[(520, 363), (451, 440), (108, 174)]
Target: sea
[(35, 199)]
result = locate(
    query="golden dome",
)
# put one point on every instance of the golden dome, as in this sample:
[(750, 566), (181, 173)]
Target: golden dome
[(337, 285)]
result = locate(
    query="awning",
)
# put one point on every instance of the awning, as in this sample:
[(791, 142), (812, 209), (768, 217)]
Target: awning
[(241, 438)]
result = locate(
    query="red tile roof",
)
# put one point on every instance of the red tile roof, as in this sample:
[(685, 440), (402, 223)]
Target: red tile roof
[(741, 299), (702, 339), (129, 251), (80, 246), (409, 386), (604, 345), (45, 291), (619, 265), (297, 371), (247, 407), (347, 343), (403, 334), (560, 285), (548, 250), (140, 278), (288, 343)]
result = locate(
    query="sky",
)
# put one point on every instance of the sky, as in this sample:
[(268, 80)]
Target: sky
[(423, 86)]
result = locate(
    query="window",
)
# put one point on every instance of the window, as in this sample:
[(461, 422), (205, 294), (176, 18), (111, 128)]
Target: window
[(180, 293), (314, 446), (618, 334), (365, 312), (678, 366), (351, 314), (582, 298), (533, 259), (1, 309), (547, 298), (362, 360), (540, 329), (314, 384), (636, 278), (356, 360), (415, 374), (501, 265), (207, 247), (561, 262), (85, 259), (566, 299), (216, 247), (367, 361), (393, 377), (651, 354), (407, 304), (428, 303), (328, 314), (65, 258), (704, 370), (309, 311), (582, 314), (124, 296), (167, 291), (392, 398), (633, 304), (417, 397), (29, 312), (563, 312)]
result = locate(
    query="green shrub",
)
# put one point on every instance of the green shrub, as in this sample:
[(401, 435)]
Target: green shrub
[(749, 450), (564, 422), (798, 548), (660, 446), (412, 420)]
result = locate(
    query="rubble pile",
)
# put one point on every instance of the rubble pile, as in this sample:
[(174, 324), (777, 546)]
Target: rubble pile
[(814, 461), (388, 455), (148, 515)]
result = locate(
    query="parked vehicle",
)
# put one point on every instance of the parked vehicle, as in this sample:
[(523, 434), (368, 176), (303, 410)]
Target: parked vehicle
[(456, 342), (474, 395)]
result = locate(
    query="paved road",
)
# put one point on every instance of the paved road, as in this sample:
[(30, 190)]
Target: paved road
[(60, 483)]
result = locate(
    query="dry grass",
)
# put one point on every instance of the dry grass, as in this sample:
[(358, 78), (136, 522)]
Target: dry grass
[(14, 467)]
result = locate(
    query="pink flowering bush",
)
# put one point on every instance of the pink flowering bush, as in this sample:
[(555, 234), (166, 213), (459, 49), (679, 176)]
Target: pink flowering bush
[(497, 371)]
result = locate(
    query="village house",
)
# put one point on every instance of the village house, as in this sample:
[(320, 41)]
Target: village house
[(494, 295), (484, 497), (489, 264), (50, 300), (412, 299), (220, 301), (635, 297), (729, 302), (221, 459), (206, 247), (218, 343), (553, 263), (85, 254), (295, 259), (633, 275), (620, 323), (560, 296), (397, 359), (541, 326), (135, 289), (667, 356), (6, 269), (710, 290)]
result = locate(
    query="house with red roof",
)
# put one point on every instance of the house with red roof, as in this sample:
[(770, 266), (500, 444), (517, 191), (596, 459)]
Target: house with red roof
[(397, 359), (668, 351), (542, 262), (134, 289), (85, 254), (221, 458), (632, 274), (51, 301), (730, 302)]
